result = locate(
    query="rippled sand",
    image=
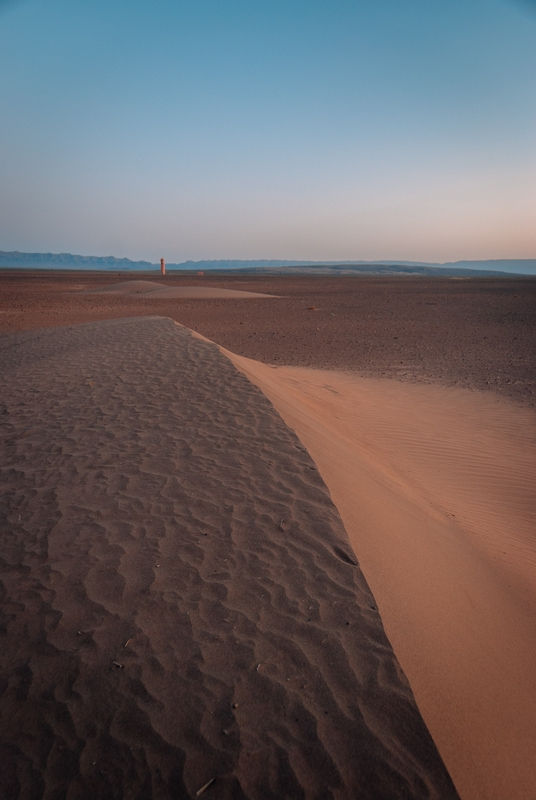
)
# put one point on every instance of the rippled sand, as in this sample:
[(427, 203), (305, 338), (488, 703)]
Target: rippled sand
[(181, 602)]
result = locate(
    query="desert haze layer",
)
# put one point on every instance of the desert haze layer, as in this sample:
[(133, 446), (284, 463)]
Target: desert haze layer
[(433, 480)]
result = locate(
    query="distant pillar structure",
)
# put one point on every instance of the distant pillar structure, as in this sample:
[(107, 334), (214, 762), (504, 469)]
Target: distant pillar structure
[(162, 266)]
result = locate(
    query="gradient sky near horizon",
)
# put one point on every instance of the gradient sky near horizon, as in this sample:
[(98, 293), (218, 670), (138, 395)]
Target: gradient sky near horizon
[(299, 129)]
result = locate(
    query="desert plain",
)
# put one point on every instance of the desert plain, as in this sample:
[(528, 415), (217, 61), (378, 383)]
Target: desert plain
[(267, 536)]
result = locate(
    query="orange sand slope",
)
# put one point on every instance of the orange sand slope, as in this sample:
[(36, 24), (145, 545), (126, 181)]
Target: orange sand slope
[(152, 290), (180, 603), (436, 489)]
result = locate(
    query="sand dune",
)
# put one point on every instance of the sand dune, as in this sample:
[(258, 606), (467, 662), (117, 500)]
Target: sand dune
[(180, 601), (152, 290), (436, 489)]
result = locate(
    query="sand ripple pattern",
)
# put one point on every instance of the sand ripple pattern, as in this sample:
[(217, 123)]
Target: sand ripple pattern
[(179, 601)]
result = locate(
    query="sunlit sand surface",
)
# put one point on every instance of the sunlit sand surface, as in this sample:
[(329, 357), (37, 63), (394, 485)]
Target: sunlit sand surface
[(435, 487)]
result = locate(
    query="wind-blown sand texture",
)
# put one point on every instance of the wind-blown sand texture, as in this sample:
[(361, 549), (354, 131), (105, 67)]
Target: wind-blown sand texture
[(180, 601)]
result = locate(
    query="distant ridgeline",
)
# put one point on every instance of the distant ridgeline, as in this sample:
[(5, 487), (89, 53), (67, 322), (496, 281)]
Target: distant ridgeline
[(68, 261), (16, 260)]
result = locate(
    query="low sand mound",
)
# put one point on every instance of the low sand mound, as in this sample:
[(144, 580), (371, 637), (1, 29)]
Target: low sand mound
[(153, 290), (180, 599), (436, 488)]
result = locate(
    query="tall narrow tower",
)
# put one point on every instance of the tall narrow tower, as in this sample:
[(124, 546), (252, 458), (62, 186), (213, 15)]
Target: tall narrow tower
[(162, 266)]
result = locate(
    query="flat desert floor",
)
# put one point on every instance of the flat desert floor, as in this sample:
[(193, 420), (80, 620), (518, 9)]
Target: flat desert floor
[(415, 399)]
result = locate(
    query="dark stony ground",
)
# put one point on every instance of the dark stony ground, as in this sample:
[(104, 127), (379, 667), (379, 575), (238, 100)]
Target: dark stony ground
[(478, 333)]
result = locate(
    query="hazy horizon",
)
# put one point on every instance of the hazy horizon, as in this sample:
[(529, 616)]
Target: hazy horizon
[(74, 261), (373, 131)]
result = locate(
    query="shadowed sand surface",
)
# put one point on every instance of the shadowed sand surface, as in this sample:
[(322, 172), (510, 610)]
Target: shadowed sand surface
[(180, 600)]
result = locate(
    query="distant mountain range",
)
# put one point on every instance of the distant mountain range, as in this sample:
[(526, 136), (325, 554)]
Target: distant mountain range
[(69, 261), (16, 260)]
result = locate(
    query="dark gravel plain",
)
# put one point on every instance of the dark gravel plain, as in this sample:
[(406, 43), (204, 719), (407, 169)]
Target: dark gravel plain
[(478, 333)]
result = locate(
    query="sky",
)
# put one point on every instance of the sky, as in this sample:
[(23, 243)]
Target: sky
[(273, 129)]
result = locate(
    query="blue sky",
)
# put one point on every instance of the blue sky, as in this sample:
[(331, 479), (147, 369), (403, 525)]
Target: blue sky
[(299, 129)]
